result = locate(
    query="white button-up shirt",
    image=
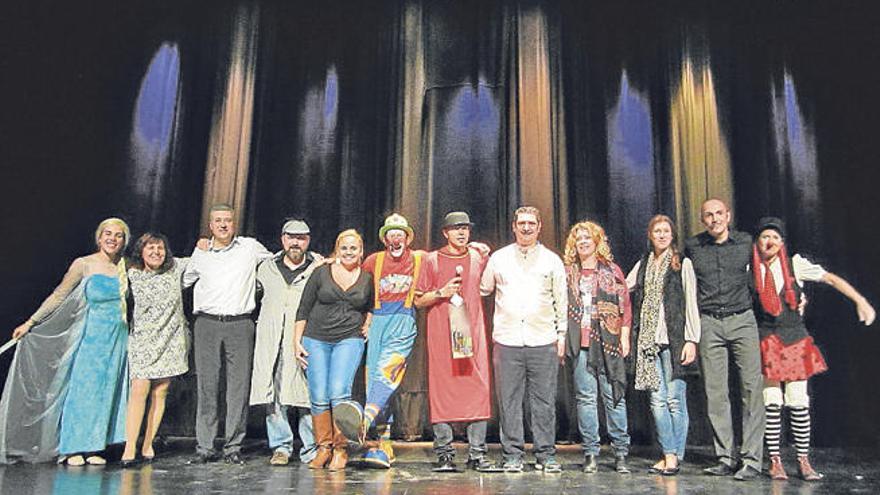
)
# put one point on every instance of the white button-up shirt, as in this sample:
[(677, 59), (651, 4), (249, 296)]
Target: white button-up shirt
[(226, 277), (531, 298)]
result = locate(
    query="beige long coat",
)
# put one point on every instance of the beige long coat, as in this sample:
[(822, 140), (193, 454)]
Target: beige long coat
[(274, 340)]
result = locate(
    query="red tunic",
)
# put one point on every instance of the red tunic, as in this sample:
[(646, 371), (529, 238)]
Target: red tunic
[(458, 389)]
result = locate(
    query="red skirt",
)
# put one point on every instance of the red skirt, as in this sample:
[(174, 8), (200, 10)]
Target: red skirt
[(788, 363)]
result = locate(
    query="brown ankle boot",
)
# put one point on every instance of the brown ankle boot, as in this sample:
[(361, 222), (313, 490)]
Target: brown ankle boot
[(340, 450), (323, 427), (806, 470), (777, 470)]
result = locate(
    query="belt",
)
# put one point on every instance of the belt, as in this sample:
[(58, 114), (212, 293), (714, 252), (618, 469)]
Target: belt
[(720, 315), (224, 318)]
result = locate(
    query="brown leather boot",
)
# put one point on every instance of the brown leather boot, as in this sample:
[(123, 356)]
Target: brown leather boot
[(777, 470), (323, 426), (340, 450), (806, 470)]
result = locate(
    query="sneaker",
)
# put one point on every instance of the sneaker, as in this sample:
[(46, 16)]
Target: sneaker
[(590, 465), (279, 458), (233, 458), (444, 464), (549, 465), (620, 465), (513, 466), (376, 458), (349, 418), (480, 464)]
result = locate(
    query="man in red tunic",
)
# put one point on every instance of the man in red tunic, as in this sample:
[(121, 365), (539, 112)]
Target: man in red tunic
[(458, 378)]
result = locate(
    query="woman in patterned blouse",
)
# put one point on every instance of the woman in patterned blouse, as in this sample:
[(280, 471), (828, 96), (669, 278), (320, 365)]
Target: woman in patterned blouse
[(159, 340)]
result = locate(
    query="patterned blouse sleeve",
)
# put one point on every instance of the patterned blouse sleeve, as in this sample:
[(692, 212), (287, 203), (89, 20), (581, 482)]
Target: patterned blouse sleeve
[(623, 297), (71, 279)]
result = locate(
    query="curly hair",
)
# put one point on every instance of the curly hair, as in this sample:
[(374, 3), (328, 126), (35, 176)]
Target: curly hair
[(137, 255), (603, 248)]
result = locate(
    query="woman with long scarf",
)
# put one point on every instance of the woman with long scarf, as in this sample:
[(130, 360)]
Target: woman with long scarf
[(598, 339), (789, 357), (666, 331), (67, 387)]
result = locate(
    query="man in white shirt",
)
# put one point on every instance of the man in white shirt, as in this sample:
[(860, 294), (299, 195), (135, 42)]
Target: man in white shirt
[(529, 329), (223, 299)]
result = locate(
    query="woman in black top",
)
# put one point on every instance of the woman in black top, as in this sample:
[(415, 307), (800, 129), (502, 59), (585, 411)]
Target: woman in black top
[(329, 343)]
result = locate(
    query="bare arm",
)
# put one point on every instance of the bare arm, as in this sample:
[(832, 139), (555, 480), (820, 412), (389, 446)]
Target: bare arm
[(298, 351), (430, 298), (864, 309), (365, 328)]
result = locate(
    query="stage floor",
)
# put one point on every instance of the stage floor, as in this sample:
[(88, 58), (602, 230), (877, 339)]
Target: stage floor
[(846, 472)]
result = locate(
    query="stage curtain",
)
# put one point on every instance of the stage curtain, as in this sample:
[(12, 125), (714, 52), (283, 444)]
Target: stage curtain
[(700, 158), (229, 146)]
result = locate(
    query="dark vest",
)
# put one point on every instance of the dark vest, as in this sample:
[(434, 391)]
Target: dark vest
[(674, 309), (789, 325)]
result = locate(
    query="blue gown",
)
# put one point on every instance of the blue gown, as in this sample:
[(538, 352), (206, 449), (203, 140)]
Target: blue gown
[(93, 415), (67, 386)]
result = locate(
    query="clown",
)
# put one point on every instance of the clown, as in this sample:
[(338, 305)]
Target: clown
[(391, 334), (788, 355)]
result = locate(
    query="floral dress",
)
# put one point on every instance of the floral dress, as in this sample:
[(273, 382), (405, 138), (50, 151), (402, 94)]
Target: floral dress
[(159, 340)]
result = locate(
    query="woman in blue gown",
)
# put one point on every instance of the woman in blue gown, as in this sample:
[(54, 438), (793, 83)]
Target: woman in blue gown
[(67, 388)]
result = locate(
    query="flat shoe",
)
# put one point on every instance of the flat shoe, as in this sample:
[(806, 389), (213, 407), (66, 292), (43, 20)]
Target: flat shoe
[(75, 461), (670, 471), (96, 460), (127, 463)]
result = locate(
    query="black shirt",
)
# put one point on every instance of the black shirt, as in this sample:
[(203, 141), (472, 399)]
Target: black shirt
[(290, 275), (333, 314), (723, 277)]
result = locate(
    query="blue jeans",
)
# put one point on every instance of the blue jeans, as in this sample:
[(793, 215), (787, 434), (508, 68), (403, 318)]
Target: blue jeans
[(669, 406), (331, 370), (281, 436), (587, 385)]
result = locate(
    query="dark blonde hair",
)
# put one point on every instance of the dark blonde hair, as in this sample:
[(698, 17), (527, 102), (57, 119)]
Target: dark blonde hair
[(603, 248), (348, 233), (527, 210), (675, 263)]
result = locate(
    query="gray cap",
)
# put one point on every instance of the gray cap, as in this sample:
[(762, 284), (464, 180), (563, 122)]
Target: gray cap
[(454, 218), (295, 227)]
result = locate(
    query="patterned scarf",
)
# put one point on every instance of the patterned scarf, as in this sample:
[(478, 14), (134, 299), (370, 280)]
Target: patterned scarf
[(647, 377)]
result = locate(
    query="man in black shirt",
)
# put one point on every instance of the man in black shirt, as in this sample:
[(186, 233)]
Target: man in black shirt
[(721, 262)]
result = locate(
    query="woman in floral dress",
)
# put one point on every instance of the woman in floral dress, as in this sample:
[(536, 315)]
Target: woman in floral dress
[(159, 340)]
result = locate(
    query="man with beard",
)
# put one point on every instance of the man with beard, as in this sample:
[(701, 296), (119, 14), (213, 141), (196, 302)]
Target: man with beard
[(529, 334), (721, 259), (223, 299), (277, 381), (392, 332), (458, 385)]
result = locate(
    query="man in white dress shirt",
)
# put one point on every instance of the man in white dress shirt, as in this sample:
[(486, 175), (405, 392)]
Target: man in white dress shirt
[(223, 299), (530, 323)]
